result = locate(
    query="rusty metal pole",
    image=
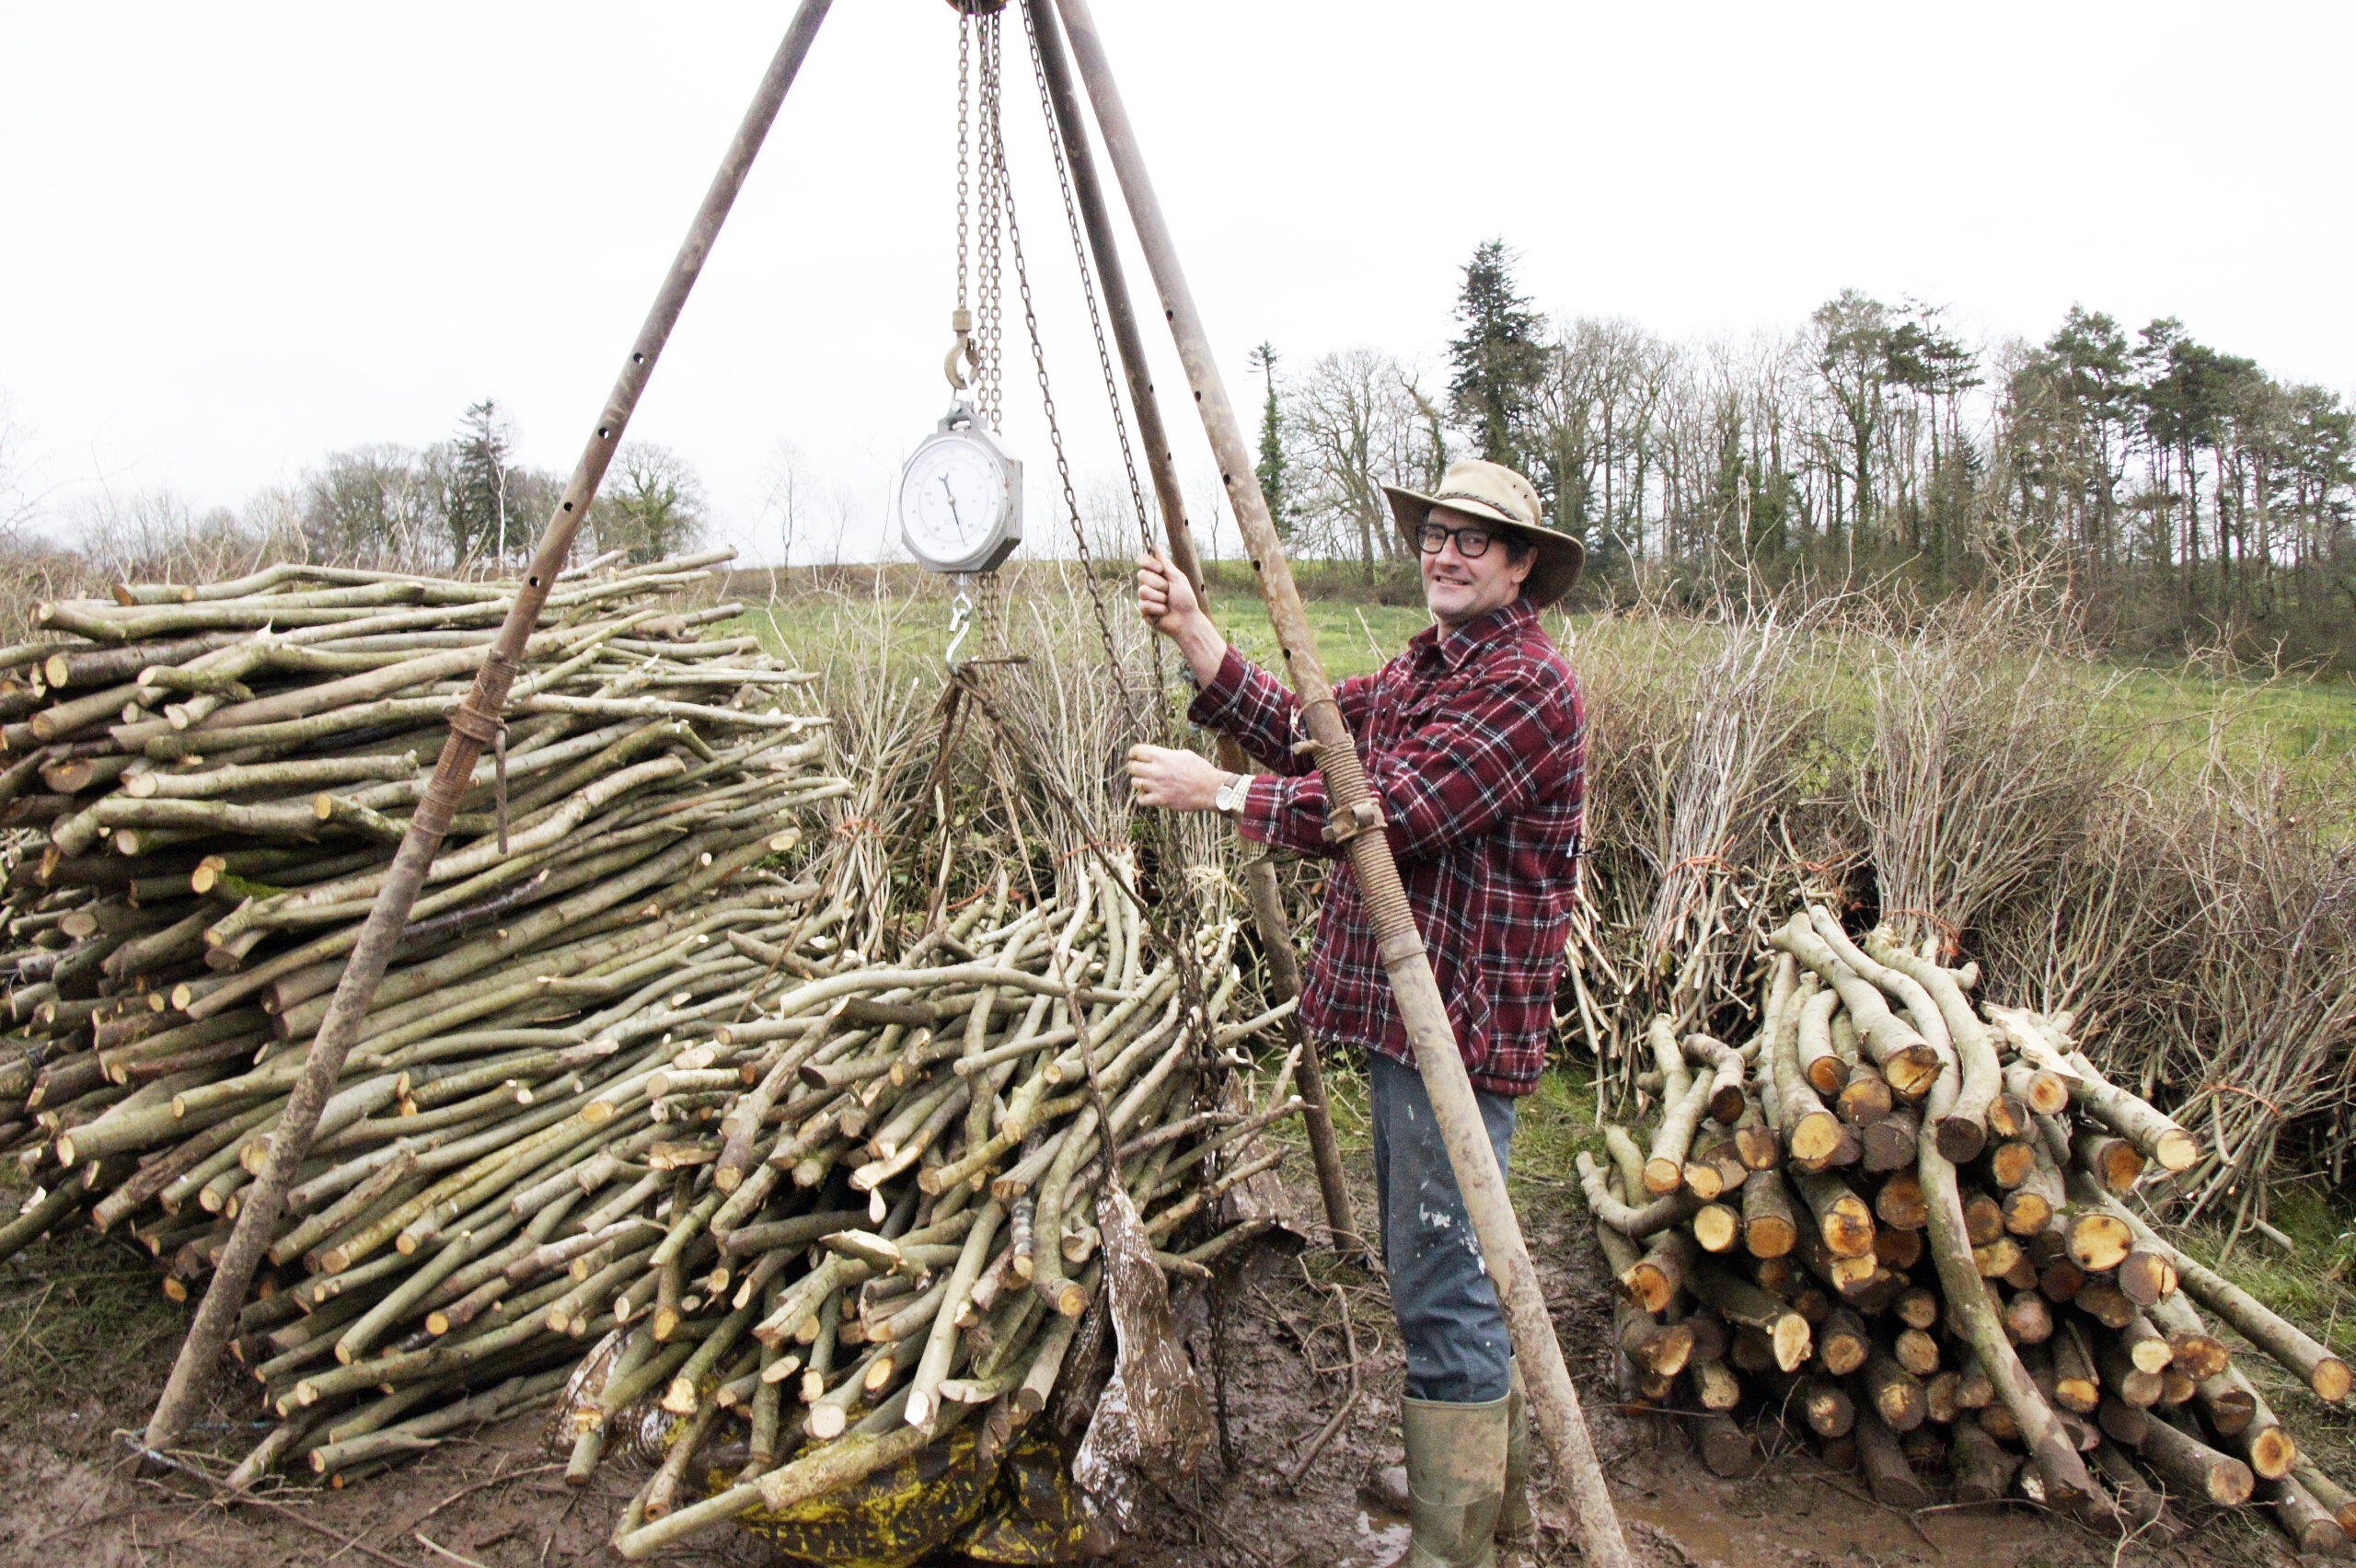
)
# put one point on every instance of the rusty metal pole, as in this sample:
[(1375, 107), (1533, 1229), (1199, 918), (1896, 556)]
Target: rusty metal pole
[(472, 726), (1259, 875), (1358, 825)]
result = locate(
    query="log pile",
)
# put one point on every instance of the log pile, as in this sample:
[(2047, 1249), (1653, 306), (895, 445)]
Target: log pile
[(1894, 1224), (637, 1118)]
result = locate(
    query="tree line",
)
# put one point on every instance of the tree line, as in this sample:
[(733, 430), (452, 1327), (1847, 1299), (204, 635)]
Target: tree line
[(2186, 495), (467, 500), (463, 504)]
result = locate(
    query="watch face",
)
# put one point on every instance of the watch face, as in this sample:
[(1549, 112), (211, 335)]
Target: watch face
[(952, 498)]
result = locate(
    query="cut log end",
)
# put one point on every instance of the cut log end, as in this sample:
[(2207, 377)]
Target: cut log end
[(1770, 1236), (1816, 1140), (1960, 1139), (1717, 1227), (1793, 1340), (2099, 1242)]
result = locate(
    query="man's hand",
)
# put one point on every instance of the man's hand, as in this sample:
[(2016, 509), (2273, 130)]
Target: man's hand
[(1174, 780), (1169, 605)]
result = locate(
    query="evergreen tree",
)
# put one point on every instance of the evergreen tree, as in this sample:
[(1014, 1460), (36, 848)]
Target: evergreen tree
[(1271, 469), (476, 505), (1499, 359)]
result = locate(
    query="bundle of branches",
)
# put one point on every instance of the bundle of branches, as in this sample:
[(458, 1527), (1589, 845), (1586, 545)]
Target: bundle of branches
[(1895, 1223), (221, 820), (2257, 1036), (1987, 758), (1685, 797), (898, 1226), (223, 794), (636, 1116)]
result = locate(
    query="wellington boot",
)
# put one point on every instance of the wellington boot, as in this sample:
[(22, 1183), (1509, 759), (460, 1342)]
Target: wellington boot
[(1516, 1528), (1456, 1467)]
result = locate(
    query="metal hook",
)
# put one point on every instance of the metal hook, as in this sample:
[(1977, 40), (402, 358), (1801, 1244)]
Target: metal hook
[(961, 322), (960, 620)]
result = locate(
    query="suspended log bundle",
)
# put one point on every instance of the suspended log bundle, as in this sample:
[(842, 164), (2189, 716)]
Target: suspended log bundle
[(645, 1122), (1938, 1280)]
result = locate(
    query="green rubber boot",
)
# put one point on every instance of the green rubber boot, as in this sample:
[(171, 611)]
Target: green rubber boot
[(1456, 1467), (1516, 1525)]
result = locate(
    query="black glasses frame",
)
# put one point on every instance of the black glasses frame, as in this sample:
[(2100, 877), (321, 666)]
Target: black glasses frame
[(1432, 537)]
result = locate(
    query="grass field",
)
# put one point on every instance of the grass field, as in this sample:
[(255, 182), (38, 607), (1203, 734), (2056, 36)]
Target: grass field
[(2307, 724)]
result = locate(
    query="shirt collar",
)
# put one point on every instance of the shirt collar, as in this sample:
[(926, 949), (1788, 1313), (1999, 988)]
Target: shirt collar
[(1505, 624)]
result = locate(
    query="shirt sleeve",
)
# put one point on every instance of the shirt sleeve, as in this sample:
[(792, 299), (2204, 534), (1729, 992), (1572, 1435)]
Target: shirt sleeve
[(1248, 703), (1453, 780)]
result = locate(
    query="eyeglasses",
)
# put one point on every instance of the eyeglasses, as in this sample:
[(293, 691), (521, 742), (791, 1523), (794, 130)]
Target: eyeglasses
[(1471, 543)]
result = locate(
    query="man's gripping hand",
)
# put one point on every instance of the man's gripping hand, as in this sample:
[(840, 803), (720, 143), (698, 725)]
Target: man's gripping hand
[(1172, 779), (1168, 604)]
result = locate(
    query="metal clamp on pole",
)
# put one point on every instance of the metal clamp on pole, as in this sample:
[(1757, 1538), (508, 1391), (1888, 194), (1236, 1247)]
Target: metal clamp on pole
[(1348, 822), (480, 730)]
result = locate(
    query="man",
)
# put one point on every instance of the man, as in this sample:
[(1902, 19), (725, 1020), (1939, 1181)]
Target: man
[(1474, 740)]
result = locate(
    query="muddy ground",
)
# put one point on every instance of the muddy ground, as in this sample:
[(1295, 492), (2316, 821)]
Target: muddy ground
[(493, 1498)]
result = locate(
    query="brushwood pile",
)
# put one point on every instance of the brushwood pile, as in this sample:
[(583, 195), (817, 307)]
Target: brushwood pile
[(665, 1118)]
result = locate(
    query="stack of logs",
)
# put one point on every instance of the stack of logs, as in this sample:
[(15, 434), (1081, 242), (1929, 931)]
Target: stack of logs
[(628, 1120), (1896, 1224)]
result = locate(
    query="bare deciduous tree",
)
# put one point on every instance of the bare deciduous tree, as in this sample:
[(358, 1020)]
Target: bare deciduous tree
[(651, 503), (1359, 420)]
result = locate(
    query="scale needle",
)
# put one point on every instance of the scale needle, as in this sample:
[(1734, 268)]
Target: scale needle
[(955, 521)]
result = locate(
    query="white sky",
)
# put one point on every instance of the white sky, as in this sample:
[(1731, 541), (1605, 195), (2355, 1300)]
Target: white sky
[(235, 237)]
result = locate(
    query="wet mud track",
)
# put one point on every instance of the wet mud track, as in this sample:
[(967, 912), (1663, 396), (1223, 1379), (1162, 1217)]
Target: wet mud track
[(494, 1499)]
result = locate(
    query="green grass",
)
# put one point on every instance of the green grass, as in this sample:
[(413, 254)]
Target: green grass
[(1553, 1124), (1353, 640), (77, 1311), (2308, 725)]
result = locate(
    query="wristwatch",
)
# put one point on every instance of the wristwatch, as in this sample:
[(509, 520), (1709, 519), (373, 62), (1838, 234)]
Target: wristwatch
[(1231, 794)]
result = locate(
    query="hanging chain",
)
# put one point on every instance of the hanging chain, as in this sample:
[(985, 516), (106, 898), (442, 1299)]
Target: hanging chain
[(989, 313), (1088, 286), (1146, 539), (996, 152), (1171, 921), (965, 115)]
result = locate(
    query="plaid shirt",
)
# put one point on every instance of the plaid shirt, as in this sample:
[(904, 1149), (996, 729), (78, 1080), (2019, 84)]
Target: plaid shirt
[(1476, 744)]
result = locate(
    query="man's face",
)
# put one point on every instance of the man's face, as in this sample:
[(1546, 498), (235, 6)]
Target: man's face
[(1459, 588)]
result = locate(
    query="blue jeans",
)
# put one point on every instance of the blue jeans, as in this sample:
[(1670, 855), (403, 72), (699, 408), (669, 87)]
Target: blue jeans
[(1458, 1350)]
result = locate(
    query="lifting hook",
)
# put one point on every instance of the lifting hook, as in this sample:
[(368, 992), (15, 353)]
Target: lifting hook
[(961, 322)]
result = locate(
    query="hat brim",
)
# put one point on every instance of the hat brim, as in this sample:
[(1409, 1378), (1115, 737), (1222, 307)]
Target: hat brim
[(1560, 557)]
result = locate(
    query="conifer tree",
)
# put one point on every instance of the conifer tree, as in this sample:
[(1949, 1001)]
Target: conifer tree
[(1271, 466), (1498, 360)]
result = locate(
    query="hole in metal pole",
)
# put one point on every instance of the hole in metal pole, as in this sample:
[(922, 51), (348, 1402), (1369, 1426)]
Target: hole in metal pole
[(638, 359), (568, 506), (605, 434), (533, 580)]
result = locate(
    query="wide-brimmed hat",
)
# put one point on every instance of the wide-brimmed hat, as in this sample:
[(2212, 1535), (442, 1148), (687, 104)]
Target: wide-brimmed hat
[(1494, 493)]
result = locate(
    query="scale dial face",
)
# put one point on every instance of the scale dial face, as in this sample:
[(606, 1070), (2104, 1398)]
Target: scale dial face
[(961, 502)]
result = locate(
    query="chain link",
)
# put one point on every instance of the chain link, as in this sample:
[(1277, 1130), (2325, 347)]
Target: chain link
[(990, 313), (1088, 287), (1146, 539), (1063, 461), (965, 115)]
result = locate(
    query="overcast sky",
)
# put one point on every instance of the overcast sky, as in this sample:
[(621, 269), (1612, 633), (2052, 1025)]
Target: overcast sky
[(235, 237)]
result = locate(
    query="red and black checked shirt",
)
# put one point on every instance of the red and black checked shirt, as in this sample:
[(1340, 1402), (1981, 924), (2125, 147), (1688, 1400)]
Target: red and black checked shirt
[(1476, 744)]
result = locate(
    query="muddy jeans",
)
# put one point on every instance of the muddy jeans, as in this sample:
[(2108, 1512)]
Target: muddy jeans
[(1456, 1348)]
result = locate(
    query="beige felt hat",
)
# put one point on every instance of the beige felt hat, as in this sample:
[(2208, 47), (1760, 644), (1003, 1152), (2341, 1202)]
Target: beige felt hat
[(1494, 493)]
